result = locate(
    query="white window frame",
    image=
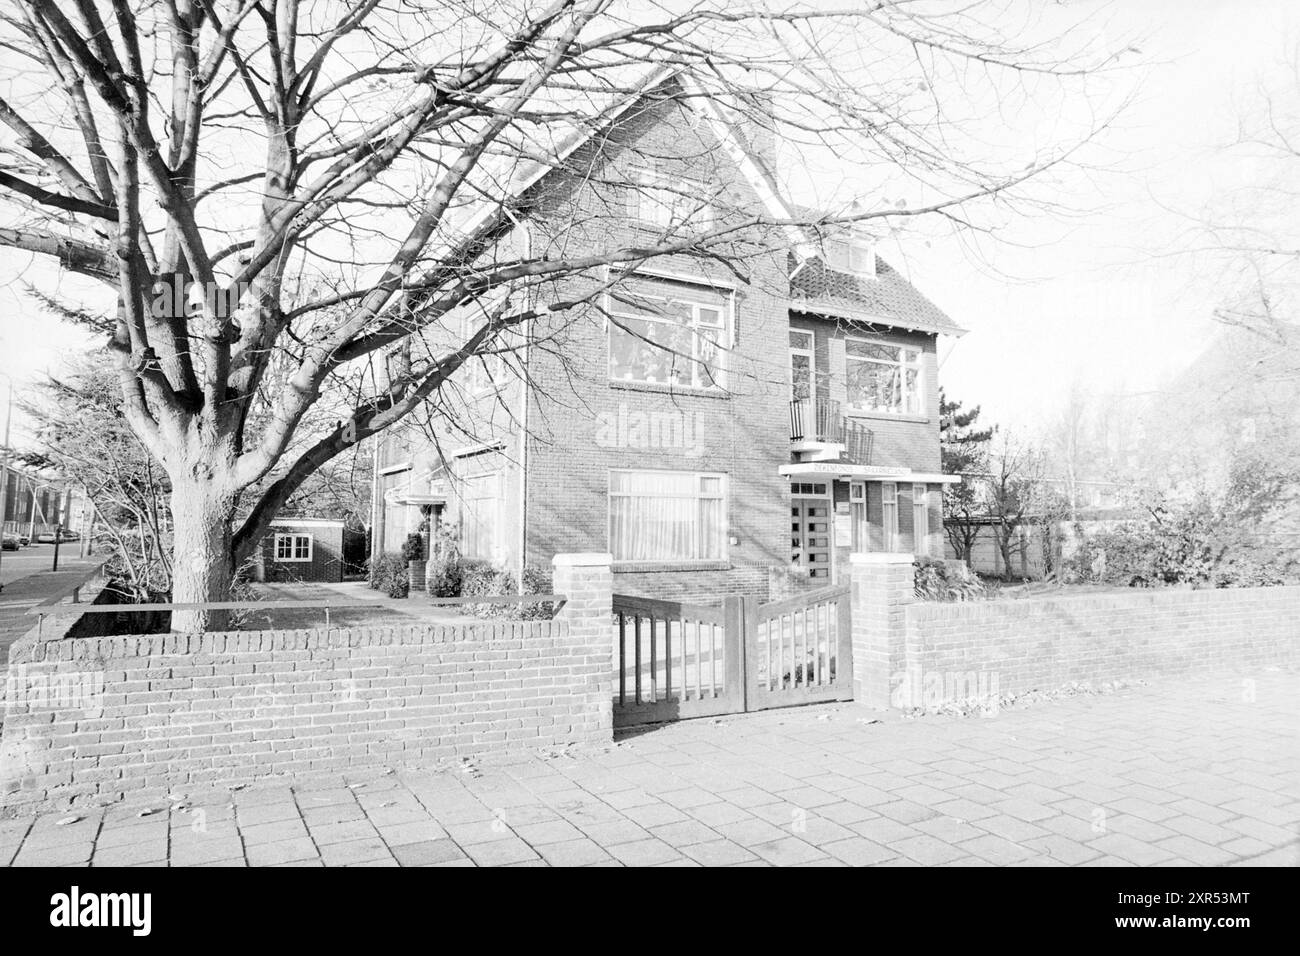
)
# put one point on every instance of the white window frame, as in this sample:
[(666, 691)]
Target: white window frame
[(664, 201), (854, 253), (889, 514), (902, 365), (724, 486), (485, 371), (617, 310), (810, 353), (293, 537), (858, 515), (920, 519), (495, 529)]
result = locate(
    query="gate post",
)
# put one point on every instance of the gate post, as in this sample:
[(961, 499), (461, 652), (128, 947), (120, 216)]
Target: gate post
[(883, 584), (587, 582)]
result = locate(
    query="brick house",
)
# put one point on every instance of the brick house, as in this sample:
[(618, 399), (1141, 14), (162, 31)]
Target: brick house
[(301, 549), (788, 415)]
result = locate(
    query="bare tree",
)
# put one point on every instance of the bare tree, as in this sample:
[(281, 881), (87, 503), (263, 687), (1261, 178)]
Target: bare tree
[(1010, 491), (269, 181)]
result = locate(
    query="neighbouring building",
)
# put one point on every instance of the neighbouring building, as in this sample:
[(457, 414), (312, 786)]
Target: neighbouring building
[(715, 430), (301, 549)]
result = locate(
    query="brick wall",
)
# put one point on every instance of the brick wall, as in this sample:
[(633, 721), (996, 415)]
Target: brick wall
[(916, 653), (97, 720)]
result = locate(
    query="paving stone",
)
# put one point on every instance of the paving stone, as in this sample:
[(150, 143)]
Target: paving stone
[(719, 853), (426, 852), (644, 853), (859, 851), (355, 851), (582, 852), (287, 851), (788, 851)]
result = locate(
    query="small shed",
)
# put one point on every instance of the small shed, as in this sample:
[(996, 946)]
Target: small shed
[(302, 549)]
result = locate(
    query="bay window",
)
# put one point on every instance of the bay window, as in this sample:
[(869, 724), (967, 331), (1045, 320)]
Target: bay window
[(667, 334), (883, 378), (667, 516)]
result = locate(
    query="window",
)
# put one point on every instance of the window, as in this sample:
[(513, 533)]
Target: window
[(670, 201), (483, 372), (480, 516), (889, 514), (802, 384), (920, 520), (858, 511), (856, 254), (292, 547), (883, 378), (667, 516), (669, 335)]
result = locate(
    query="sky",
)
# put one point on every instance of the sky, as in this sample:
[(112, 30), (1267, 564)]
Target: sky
[(1104, 302), (1095, 301)]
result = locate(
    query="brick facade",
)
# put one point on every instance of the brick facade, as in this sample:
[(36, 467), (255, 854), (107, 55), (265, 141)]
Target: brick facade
[(908, 653), (555, 445), (96, 720)]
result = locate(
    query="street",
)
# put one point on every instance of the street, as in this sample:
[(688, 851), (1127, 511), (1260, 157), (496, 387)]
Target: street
[(37, 557)]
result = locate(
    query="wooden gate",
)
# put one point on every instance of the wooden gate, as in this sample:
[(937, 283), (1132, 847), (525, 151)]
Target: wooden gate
[(678, 660)]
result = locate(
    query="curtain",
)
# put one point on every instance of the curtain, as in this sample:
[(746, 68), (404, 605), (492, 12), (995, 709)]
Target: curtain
[(666, 516)]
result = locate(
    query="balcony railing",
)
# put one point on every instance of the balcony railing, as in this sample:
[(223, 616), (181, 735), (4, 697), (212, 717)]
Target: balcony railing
[(816, 420)]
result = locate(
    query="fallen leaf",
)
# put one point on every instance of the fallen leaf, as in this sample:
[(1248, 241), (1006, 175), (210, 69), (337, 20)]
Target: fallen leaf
[(68, 821)]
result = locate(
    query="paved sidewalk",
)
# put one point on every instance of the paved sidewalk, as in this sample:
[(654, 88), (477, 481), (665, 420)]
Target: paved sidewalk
[(1203, 772)]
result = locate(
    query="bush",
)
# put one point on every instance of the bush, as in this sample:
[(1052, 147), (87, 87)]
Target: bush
[(484, 580), (444, 573), (936, 580), (413, 547), (387, 574)]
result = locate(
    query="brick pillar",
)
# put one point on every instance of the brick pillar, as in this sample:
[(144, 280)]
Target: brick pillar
[(587, 582), (883, 585)]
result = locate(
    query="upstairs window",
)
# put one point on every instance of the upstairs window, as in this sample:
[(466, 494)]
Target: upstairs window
[(883, 378), (665, 334), (853, 253), (670, 202)]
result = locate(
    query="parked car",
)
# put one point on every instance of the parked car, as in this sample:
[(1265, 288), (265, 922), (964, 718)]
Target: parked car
[(24, 540), (45, 537), (10, 543)]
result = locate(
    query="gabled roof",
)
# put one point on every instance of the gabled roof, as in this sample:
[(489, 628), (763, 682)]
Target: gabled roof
[(884, 299), (887, 298)]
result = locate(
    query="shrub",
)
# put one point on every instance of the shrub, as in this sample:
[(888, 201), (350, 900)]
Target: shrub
[(444, 573), (413, 547), (387, 574), (936, 580), (484, 580)]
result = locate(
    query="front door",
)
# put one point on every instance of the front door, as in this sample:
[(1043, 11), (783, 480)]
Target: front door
[(810, 529)]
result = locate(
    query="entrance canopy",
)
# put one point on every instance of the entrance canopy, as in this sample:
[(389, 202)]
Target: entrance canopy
[(849, 472)]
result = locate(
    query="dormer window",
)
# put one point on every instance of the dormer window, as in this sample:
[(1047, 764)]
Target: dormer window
[(854, 253)]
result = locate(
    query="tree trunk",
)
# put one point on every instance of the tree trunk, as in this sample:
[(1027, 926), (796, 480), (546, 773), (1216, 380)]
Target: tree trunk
[(1004, 547), (203, 565)]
